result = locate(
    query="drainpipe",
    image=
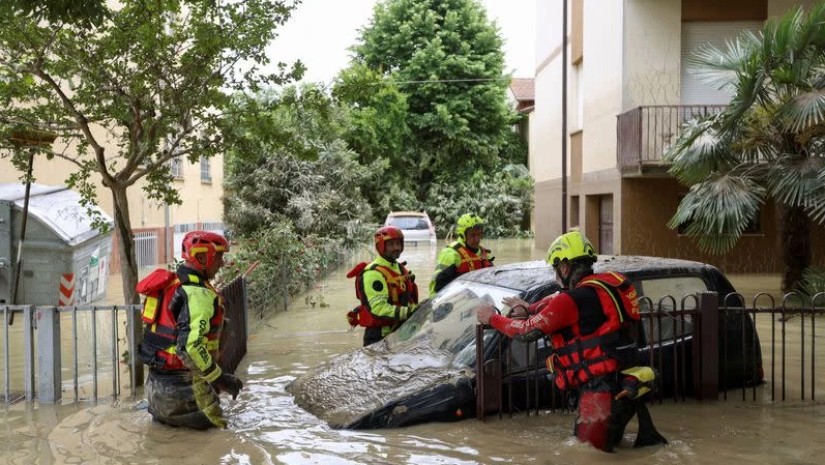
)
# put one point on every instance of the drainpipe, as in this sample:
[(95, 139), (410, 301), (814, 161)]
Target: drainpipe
[(564, 117)]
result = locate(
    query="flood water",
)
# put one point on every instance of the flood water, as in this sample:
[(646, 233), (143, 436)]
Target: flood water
[(265, 426)]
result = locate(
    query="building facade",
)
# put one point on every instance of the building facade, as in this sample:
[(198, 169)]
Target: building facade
[(628, 91), (155, 225)]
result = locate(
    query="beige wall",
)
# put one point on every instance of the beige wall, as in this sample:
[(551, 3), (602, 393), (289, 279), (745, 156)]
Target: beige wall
[(652, 49)]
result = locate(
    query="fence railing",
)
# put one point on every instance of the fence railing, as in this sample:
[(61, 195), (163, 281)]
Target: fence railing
[(91, 348), (700, 347), (644, 133)]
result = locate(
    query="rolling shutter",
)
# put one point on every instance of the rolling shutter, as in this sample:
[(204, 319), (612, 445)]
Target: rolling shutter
[(694, 34)]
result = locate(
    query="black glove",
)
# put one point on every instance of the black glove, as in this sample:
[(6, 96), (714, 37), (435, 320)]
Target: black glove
[(229, 383)]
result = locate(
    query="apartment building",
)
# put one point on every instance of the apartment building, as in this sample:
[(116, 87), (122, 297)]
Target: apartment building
[(628, 92)]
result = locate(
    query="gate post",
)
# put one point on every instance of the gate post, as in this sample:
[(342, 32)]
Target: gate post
[(48, 355), (706, 348)]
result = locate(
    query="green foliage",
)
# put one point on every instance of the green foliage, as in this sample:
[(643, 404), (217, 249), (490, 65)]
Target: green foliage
[(445, 58), (767, 145), (502, 199), (813, 284), (293, 189), (288, 263), (85, 13), (291, 166), (145, 86)]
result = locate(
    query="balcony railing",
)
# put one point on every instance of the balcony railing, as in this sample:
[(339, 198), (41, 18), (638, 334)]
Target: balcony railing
[(644, 133)]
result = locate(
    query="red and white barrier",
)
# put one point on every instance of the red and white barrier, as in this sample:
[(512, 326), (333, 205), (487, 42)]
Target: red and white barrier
[(66, 289)]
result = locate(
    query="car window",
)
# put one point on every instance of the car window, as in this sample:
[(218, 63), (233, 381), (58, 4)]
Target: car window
[(447, 321), (408, 222), (667, 326)]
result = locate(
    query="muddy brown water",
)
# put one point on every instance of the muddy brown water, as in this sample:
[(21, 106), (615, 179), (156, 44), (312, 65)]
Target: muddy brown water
[(265, 426)]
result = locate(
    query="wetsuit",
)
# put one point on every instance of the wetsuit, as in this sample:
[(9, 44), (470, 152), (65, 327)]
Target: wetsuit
[(178, 386), (590, 329)]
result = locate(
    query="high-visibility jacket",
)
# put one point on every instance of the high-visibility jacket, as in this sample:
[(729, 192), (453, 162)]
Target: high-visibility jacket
[(387, 293), (455, 260), (184, 316)]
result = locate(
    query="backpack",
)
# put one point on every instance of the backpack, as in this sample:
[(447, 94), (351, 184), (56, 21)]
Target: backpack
[(154, 287)]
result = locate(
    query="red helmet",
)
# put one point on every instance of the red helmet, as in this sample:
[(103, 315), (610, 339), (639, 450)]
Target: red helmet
[(210, 243), (387, 233)]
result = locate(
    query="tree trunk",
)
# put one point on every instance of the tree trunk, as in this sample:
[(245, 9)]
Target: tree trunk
[(795, 244), (126, 251), (128, 267)]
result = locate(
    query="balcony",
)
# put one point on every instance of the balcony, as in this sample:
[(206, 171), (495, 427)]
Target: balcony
[(644, 133)]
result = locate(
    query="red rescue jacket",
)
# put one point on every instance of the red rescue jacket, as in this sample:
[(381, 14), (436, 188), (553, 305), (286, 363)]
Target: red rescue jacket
[(603, 340)]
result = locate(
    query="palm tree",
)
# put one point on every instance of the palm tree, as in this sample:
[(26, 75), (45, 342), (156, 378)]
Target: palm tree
[(767, 145)]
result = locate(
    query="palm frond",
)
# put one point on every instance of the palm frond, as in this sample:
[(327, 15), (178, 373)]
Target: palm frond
[(720, 68), (699, 151), (803, 111), (795, 180), (717, 211)]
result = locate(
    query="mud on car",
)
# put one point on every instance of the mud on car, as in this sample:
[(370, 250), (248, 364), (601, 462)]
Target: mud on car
[(425, 370)]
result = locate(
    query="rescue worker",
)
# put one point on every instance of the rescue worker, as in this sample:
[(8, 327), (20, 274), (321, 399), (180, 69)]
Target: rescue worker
[(180, 344), (464, 255), (591, 323), (385, 288)]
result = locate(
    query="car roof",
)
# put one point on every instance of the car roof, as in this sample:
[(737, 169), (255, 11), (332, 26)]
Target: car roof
[(524, 276), (406, 213)]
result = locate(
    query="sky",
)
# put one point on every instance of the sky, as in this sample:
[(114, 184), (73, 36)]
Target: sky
[(320, 31)]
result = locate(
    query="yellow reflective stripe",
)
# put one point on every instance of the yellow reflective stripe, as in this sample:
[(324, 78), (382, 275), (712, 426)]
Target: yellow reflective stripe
[(210, 345)]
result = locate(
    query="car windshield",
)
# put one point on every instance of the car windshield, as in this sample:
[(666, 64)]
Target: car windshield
[(409, 222), (447, 322)]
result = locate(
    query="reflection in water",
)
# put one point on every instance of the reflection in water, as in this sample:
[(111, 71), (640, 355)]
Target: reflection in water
[(267, 428)]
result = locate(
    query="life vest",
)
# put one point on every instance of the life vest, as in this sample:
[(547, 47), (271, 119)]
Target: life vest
[(158, 348), (470, 260), (401, 288), (604, 338)]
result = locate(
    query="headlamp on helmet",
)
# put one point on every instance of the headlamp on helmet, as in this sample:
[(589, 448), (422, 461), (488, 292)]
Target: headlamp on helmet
[(573, 247), (203, 242), (465, 222), (385, 234)]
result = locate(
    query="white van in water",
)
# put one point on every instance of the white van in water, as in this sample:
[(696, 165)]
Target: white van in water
[(416, 226)]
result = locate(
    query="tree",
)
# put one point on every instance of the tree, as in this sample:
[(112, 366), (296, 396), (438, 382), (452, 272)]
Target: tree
[(768, 144), (291, 164), (81, 12), (446, 58), (146, 86)]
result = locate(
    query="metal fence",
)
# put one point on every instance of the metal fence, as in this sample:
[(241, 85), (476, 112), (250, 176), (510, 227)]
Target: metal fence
[(91, 349), (146, 248), (702, 347)]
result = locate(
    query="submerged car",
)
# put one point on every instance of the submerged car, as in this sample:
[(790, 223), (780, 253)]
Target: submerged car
[(425, 370), (416, 226)]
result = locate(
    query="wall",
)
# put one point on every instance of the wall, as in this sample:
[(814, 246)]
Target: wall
[(201, 202), (652, 41), (645, 231)]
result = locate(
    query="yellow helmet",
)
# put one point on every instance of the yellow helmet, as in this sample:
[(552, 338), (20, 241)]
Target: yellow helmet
[(572, 246), (467, 221)]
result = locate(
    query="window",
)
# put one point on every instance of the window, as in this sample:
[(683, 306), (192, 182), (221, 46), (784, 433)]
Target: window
[(176, 168), (666, 295), (206, 175)]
